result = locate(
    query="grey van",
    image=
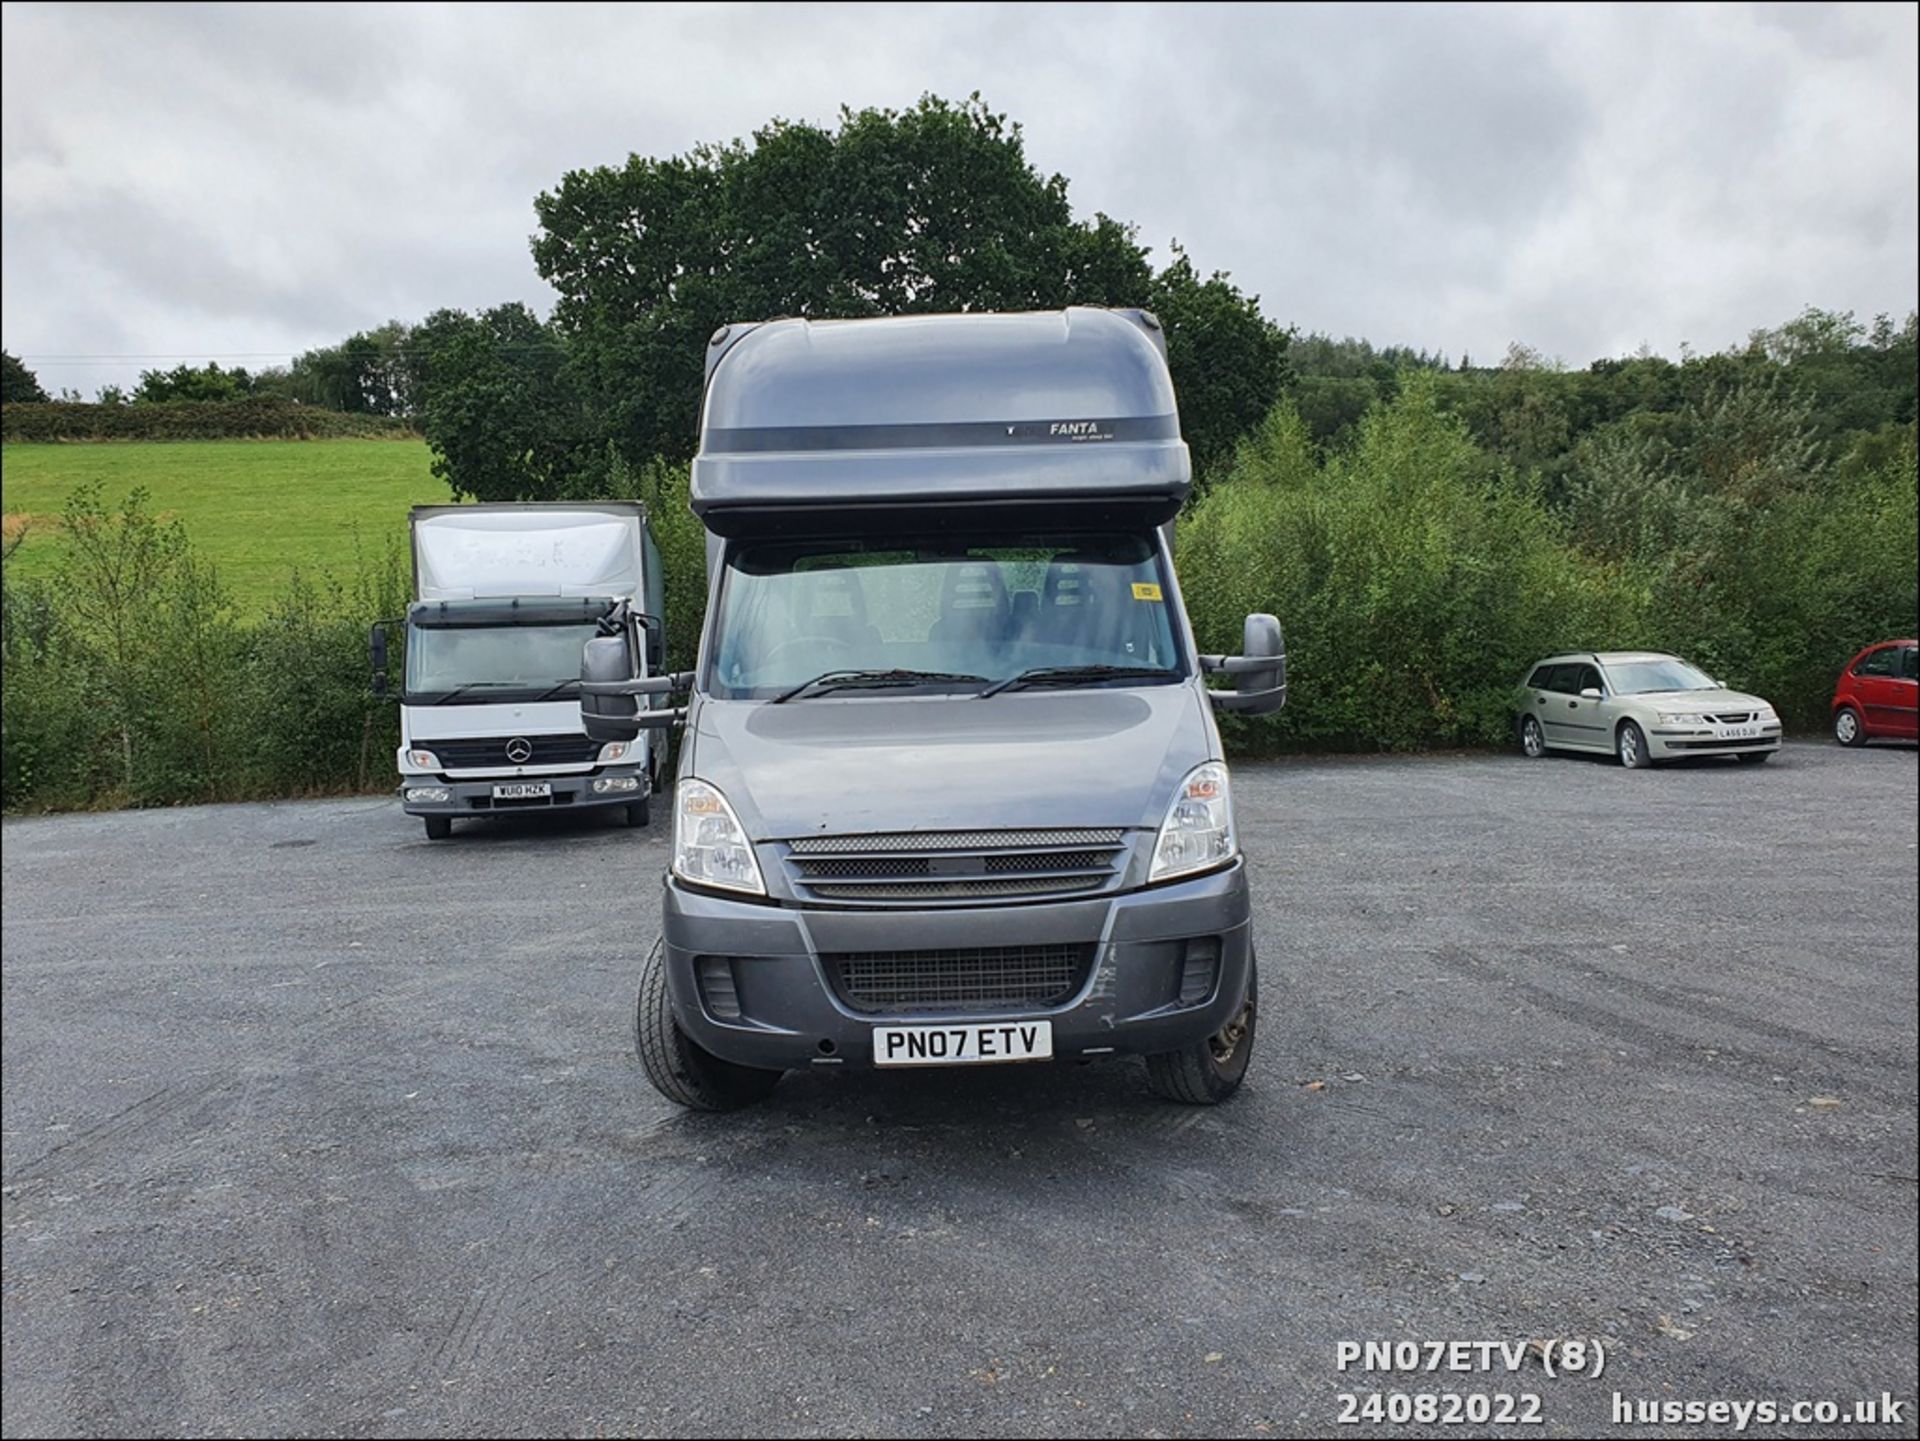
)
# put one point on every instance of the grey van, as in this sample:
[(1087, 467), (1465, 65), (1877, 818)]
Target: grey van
[(950, 790)]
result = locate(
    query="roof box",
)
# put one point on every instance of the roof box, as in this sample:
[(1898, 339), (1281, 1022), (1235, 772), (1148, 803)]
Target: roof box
[(1068, 406)]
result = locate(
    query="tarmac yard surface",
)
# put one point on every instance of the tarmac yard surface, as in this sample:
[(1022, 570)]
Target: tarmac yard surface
[(313, 1126)]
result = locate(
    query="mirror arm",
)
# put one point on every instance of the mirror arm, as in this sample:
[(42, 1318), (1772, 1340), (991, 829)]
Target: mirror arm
[(1237, 664), (1232, 700), (641, 685)]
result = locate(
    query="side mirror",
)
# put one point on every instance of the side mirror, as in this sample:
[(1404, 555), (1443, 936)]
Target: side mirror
[(1259, 671), (605, 659), (1591, 692), (377, 657), (655, 630)]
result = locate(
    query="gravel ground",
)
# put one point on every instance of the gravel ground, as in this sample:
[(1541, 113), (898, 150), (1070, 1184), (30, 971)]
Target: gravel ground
[(314, 1127)]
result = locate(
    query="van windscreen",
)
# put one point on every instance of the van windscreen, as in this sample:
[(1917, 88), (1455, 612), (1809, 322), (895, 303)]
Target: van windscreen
[(988, 606)]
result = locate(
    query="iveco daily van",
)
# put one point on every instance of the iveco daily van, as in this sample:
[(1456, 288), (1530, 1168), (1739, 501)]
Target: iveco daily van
[(505, 596), (950, 790)]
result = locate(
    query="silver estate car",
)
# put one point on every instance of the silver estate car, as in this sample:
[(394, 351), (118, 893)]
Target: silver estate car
[(1642, 706)]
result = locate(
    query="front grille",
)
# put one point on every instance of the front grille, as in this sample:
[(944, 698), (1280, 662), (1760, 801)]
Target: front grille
[(490, 752), (935, 866), (996, 978), (1750, 743)]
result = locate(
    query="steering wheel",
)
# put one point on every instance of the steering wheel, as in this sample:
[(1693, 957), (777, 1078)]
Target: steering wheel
[(767, 661)]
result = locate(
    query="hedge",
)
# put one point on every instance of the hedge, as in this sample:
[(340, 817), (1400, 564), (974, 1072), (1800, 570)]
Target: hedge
[(261, 418)]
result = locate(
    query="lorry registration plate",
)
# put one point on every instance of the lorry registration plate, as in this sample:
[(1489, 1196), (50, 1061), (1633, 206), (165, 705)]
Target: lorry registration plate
[(523, 791), (963, 1045)]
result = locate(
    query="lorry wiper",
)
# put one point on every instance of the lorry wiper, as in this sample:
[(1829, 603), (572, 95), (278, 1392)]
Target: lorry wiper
[(1071, 675), (475, 685), (862, 679), (553, 690)]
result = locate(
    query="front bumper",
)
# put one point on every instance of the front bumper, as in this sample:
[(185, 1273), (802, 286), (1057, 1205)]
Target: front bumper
[(1669, 743), (790, 1012), (570, 792)]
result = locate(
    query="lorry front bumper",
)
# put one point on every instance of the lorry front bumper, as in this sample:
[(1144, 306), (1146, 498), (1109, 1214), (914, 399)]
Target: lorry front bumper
[(766, 985), (475, 798)]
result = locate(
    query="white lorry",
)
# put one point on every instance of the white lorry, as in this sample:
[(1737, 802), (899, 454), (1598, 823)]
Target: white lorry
[(505, 596)]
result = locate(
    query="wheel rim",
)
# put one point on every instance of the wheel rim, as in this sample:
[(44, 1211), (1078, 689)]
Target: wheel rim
[(1530, 737), (1630, 746), (1846, 725), (1232, 1036)]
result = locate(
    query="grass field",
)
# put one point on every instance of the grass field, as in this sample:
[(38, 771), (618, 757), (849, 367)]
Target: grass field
[(256, 508)]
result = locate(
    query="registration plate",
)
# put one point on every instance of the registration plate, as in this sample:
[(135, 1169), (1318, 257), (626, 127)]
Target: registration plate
[(964, 1045), (1739, 733), (524, 791)]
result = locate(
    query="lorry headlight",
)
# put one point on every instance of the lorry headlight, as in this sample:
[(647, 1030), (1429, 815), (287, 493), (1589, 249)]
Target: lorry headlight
[(613, 751), (1197, 834), (709, 847), (423, 760)]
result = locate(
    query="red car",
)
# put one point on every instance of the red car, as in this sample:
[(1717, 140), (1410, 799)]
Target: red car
[(1878, 694)]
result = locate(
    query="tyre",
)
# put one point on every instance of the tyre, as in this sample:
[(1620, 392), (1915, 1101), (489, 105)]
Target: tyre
[(1630, 744), (438, 827), (1533, 740), (1210, 1070), (1848, 728), (637, 813), (680, 1070), (1756, 758)]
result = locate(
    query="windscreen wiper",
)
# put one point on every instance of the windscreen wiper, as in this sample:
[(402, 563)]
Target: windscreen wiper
[(553, 690), (1072, 675), (865, 679), (474, 685)]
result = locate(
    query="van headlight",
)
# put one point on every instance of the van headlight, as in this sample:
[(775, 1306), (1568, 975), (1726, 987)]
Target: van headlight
[(1197, 834), (709, 847)]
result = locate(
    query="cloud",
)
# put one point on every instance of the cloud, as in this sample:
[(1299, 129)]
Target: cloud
[(196, 181)]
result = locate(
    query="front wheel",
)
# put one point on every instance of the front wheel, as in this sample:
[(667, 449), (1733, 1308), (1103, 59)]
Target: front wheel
[(1533, 741), (1631, 746), (637, 813), (438, 827), (1211, 1069), (680, 1070), (1847, 728)]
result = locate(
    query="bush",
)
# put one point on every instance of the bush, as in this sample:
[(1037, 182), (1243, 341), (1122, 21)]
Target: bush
[(130, 682), (1414, 589)]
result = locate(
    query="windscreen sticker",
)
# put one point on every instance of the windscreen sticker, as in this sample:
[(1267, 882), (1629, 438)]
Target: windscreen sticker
[(1145, 590)]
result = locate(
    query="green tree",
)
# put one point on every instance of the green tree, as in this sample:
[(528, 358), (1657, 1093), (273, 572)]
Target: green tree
[(935, 208), (17, 383), (1229, 362), (191, 383), (497, 404)]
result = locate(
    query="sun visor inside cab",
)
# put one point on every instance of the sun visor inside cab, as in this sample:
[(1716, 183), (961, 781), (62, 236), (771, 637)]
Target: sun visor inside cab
[(1057, 410)]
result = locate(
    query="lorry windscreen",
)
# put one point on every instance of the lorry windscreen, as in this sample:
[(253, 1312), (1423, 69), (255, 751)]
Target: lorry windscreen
[(468, 664), (992, 606)]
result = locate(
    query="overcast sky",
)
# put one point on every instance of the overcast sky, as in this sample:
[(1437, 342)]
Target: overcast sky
[(241, 183)]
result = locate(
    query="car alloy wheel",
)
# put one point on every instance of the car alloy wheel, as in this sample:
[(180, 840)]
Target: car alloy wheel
[(1846, 727), (1632, 747), (1532, 743)]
